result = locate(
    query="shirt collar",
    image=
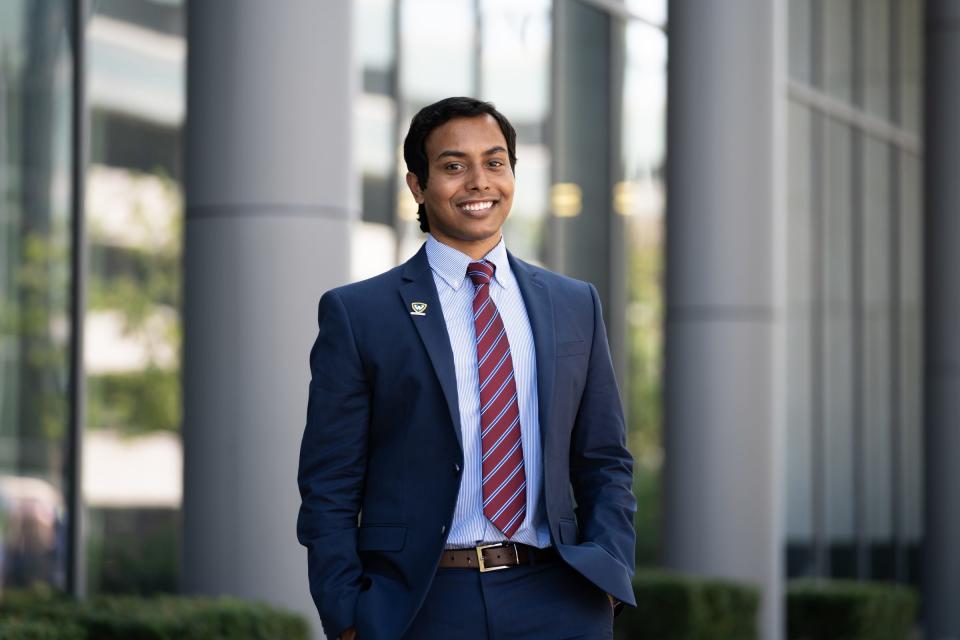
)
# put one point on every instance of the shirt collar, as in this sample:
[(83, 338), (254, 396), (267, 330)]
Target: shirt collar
[(451, 264)]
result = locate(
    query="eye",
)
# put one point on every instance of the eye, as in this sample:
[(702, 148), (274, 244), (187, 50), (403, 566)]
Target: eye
[(453, 166), (496, 163)]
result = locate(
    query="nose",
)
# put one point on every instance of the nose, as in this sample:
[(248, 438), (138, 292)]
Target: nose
[(477, 179)]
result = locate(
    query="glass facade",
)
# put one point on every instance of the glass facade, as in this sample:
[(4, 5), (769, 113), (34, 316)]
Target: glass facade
[(639, 204), (377, 109), (132, 228), (36, 215), (134, 221), (854, 359), (515, 38)]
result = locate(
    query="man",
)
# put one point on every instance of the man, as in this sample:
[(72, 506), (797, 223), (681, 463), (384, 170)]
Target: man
[(463, 470)]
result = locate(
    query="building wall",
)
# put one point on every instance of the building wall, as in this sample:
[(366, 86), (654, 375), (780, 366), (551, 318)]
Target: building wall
[(854, 359), (37, 210), (133, 214)]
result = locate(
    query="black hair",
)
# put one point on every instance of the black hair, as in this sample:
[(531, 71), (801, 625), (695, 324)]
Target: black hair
[(437, 114)]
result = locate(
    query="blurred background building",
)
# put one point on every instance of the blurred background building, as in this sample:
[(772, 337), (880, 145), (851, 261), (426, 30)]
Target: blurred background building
[(760, 255)]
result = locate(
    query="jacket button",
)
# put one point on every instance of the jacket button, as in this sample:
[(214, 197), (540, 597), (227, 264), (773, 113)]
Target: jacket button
[(443, 529), (456, 467)]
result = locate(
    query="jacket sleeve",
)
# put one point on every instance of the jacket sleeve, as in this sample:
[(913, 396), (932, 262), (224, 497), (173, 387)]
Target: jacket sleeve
[(333, 457), (601, 467)]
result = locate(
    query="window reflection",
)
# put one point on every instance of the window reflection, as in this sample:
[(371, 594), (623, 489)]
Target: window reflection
[(132, 450), (438, 51), (638, 199), (36, 88), (515, 76), (653, 11), (438, 59), (838, 49), (376, 114), (853, 319)]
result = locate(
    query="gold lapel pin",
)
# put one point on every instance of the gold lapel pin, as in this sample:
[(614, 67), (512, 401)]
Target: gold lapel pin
[(418, 308)]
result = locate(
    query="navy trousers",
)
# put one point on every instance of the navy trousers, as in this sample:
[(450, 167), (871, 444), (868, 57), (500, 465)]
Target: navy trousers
[(549, 601)]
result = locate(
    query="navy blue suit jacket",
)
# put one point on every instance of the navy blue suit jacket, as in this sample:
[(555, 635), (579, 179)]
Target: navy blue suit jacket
[(381, 457)]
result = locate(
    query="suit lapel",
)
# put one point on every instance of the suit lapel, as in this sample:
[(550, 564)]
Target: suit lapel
[(536, 297), (419, 286)]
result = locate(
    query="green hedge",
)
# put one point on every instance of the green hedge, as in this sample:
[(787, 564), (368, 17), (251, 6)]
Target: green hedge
[(673, 606), (16, 628), (159, 618), (848, 610)]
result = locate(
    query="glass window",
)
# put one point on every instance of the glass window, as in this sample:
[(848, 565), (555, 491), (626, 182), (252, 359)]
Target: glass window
[(876, 338), (638, 201), (911, 63), (134, 217), (865, 258), (376, 115), (801, 40), (375, 36), (438, 59), (438, 51), (911, 349), (876, 41), (838, 386), (800, 296), (515, 76), (654, 11), (375, 124), (838, 37), (36, 94)]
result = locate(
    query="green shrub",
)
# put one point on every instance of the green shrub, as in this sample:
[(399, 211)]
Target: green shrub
[(16, 628), (674, 606), (848, 610), (160, 618), (132, 551)]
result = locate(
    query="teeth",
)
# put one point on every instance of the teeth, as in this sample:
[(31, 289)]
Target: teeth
[(479, 206)]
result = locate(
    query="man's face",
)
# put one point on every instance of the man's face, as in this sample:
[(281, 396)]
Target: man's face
[(470, 184)]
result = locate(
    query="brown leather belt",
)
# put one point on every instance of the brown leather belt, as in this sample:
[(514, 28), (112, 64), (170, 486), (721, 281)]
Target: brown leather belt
[(490, 557)]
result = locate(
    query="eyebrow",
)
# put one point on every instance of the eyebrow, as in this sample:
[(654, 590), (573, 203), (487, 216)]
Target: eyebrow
[(460, 154)]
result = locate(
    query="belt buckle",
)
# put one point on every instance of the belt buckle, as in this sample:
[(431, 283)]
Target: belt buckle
[(483, 567)]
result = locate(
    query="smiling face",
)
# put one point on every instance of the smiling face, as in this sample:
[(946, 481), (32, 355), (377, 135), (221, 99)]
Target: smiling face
[(470, 184)]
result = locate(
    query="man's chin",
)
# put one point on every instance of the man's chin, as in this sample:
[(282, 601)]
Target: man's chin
[(482, 238), (462, 238)]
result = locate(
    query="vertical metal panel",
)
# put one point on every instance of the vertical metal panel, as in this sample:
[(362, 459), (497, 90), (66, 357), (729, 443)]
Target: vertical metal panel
[(896, 360), (821, 554), (941, 310), (76, 573), (858, 464)]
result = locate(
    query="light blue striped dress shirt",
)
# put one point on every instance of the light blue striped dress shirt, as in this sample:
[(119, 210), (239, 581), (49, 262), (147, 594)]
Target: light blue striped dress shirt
[(470, 527)]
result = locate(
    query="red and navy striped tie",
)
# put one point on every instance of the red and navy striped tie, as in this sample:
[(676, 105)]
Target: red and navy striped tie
[(504, 484)]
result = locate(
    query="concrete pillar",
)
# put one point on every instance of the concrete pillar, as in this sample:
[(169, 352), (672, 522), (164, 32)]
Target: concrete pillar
[(724, 288), (942, 311), (269, 197)]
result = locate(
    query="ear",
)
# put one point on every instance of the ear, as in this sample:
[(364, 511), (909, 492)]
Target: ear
[(414, 186)]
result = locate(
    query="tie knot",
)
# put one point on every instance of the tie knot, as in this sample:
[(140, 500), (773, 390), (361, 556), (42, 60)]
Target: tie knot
[(481, 272)]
